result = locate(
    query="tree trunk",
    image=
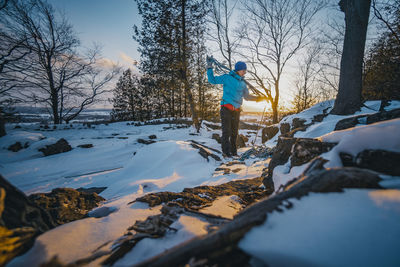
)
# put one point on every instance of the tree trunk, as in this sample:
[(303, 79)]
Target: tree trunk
[(2, 124), (274, 112), (348, 99), (184, 70), (274, 103)]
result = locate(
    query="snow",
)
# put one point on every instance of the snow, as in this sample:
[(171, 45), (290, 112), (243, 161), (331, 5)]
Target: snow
[(79, 239), (187, 227), (354, 222), (381, 135), (127, 168), (225, 206), (354, 228)]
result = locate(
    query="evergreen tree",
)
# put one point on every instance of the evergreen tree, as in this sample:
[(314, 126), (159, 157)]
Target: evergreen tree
[(170, 35), (381, 74), (127, 101)]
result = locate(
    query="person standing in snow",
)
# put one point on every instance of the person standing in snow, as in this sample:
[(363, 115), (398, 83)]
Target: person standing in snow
[(234, 90)]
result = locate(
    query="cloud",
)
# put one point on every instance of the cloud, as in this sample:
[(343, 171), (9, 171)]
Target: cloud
[(128, 59), (106, 63)]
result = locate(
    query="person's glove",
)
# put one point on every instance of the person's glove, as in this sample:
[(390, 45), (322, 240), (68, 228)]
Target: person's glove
[(210, 62)]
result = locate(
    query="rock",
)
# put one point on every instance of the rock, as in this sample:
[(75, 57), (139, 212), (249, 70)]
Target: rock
[(285, 128), (212, 126), (319, 117), (21, 221), (297, 123), (60, 146), (386, 162), (18, 211), (86, 145), (248, 126), (241, 141), (292, 132), (216, 137), (153, 136), (205, 151), (384, 115), (66, 204), (259, 152), (280, 156), (348, 123), (301, 150), (90, 190), (15, 242), (268, 133), (222, 244), (102, 212), (305, 149), (146, 142), (367, 119), (247, 190), (15, 147), (347, 159)]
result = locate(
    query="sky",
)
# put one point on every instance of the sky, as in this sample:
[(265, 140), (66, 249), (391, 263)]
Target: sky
[(110, 23), (107, 22)]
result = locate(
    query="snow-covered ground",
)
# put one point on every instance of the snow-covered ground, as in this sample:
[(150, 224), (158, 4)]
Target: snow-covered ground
[(130, 169), (127, 168)]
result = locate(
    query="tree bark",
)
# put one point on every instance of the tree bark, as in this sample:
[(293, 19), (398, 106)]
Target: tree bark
[(2, 124), (348, 99)]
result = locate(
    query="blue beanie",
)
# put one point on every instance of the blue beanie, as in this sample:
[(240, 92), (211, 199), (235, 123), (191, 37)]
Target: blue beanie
[(240, 65)]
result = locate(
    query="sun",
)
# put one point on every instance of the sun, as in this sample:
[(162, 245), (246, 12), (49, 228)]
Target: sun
[(251, 106)]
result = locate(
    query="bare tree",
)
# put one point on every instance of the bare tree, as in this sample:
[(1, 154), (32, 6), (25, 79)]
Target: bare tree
[(274, 33), (348, 99), (55, 73), (13, 48), (306, 83), (220, 18), (387, 11)]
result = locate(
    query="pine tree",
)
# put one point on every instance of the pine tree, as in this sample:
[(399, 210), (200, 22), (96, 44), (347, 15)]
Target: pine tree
[(168, 42), (127, 101), (381, 74)]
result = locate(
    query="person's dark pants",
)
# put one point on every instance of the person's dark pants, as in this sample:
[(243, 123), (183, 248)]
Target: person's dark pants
[(230, 127)]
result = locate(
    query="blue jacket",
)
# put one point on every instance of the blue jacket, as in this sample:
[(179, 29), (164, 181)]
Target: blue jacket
[(234, 88)]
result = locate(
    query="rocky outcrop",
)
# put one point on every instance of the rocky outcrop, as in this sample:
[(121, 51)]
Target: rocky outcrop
[(17, 146), (216, 137), (386, 162), (241, 141), (305, 149), (20, 222), (205, 151), (86, 146), (258, 152), (146, 142), (367, 119), (60, 146), (268, 133), (202, 196), (298, 123), (66, 204), (301, 151), (285, 128), (222, 244)]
